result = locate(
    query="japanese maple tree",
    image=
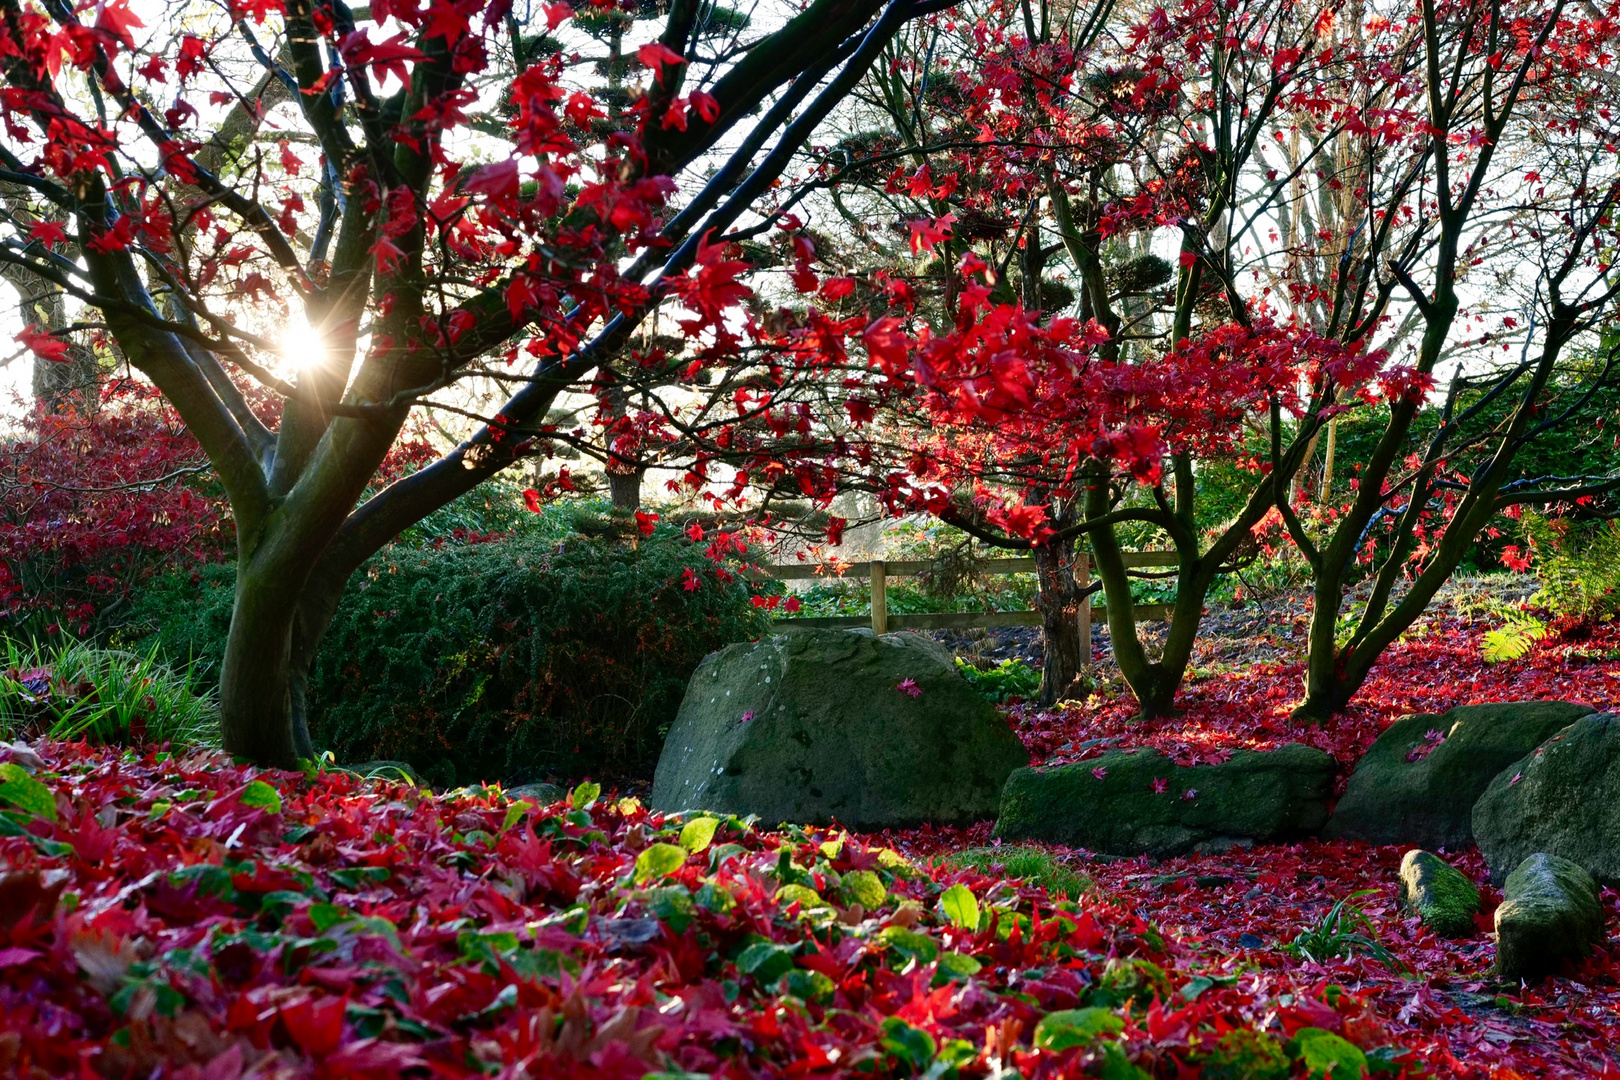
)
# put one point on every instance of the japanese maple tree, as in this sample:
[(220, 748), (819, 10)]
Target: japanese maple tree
[(433, 190), (1286, 153)]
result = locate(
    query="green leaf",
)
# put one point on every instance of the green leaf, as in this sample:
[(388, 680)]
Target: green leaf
[(911, 1045), (914, 946), (1327, 1056), (698, 834), (960, 907), (1200, 983), (803, 894), (811, 986), (261, 794), (1512, 641), (1116, 1066), (1075, 1027), (584, 796), (355, 878), (659, 860), (514, 814), (865, 888), (715, 898), (25, 793), (673, 904), (765, 961), (957, 1053), (326, 916), (958, 967), (719, 855)]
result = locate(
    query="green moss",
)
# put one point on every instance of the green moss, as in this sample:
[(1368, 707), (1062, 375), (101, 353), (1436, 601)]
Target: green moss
[(1441, 895), (1130, 802), (1022, 863)]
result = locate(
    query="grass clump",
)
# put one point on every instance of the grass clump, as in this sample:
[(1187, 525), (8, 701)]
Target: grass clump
[(74, 691), (1345, 931), (1022, 863)]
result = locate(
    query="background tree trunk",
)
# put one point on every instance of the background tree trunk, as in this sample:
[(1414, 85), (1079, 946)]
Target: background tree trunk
[(1058, 596)]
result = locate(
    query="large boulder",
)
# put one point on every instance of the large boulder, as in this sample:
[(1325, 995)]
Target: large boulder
[(1563, 798), (1418, 782), (1139, 802), (1549, 913), (820, 725), (1439, 894)]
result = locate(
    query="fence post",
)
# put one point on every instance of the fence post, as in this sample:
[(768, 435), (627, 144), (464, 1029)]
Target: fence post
[(1082, 574), (880, 599)]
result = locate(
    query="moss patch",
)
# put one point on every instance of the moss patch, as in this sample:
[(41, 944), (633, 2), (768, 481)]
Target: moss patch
[(1440, 894), (1022, 863)]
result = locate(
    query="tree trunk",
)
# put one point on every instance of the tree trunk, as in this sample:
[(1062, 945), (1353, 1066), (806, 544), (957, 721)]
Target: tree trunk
[(256, 680), (1325, 693), (1058, 598), (625, 488)]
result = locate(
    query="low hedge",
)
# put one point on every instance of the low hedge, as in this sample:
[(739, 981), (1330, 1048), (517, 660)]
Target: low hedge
[(511, 660)]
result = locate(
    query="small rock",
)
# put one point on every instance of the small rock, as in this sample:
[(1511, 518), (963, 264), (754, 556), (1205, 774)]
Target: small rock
[(541, 794), (1249, 941), (1549, 913), (1441, 895)]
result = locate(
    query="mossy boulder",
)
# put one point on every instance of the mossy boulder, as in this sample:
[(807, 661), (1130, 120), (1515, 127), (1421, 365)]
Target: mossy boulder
[(820, 725), (1418, 782), (1439, 894), (1139, 802), (1562, 798), (1549, 913)]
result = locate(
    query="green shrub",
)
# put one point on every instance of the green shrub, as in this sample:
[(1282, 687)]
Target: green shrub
[(1009, 679), (106, 696), (511, 660), (1023, 863), (1578, 567)]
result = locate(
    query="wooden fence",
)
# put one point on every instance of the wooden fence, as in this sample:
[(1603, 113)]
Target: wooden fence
[(880, 571)]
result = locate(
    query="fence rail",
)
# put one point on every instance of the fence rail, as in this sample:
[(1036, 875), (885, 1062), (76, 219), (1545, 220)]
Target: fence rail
[(880, 571)]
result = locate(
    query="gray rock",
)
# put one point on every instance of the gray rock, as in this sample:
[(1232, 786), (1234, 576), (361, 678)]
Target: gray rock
[(542, 794), (1549, 913), (1113, 803), (1440, 894), (1429, 802), (813, 726), (1563, 798)]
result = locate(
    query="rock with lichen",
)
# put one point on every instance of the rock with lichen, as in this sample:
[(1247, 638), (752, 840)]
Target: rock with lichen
[(1549, 913), (1439, 894)]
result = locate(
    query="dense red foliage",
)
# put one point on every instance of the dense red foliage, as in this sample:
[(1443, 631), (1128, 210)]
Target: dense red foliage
[(91, 503), (197, 916)]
